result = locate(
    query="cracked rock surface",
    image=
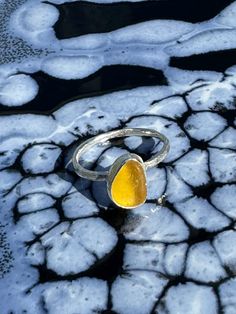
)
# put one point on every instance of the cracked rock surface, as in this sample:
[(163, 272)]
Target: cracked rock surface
[(64, 247)]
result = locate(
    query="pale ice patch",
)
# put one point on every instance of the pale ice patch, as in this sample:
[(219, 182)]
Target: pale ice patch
[(40, 158), (77, 205), (193, 167), (223, 165), (224, 244), (39, 16), (137, 291), (144, 256), (7, 154), (151, 32), (17, 126), (17, 90), (203, 263), (76, 248), (84, 296), (201, 215), (225, 139), (159, 225), (214, 96), (203, 126), (189, 298), (35, 202), (228, 296), (36, 254), (175, 255), (224, 198), (211, 40), (133, 142), (71, 67), (33, 22), (227, 16), (171, 107), (51, 184), (184, 80), (89, 41), (8, 179), (37, 223), (177, 190), (156, 183)]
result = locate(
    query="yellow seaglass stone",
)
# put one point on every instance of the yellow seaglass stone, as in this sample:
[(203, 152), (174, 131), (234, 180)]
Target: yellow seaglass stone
[(128, 188)]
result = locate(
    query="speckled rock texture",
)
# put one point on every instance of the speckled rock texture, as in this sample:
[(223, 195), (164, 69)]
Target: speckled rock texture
[(64, 247)]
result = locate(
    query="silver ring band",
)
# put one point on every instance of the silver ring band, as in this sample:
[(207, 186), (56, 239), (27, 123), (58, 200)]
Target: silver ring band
[(103, 175)]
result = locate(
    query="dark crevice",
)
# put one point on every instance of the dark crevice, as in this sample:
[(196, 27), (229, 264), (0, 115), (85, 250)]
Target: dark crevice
[(80, 17), (107, 79), (112, 266), (230, 116), (211, 61), (107, 269), (202, 145), (200, 235), (205, 190)]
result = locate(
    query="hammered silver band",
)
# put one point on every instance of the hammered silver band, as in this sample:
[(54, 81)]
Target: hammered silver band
[(103, 175)]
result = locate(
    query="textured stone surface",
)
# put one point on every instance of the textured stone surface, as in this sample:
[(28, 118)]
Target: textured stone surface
[(63, 245)]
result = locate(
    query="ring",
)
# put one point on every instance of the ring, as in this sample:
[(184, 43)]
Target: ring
[(126, 178)]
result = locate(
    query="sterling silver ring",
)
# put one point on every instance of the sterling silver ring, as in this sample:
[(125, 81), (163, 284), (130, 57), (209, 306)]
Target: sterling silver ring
[(126, 178)]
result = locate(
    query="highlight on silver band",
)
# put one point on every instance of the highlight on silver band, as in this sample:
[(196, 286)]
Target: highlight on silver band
[(101, 138)]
